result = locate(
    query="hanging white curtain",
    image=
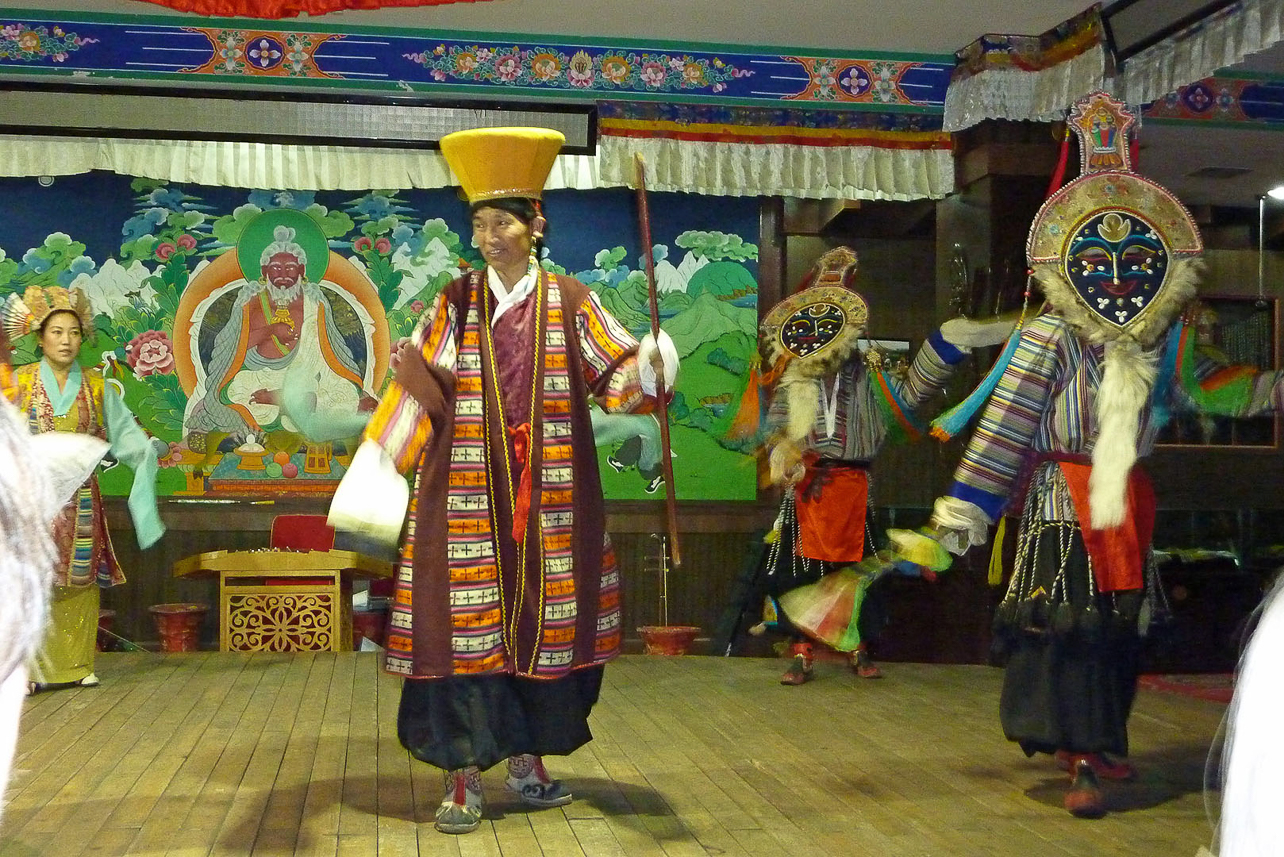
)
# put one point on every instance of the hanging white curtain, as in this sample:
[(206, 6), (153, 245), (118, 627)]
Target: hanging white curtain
[(779, 169), (1224, 39), (1032, 78), (1011, 93), (715, 168)]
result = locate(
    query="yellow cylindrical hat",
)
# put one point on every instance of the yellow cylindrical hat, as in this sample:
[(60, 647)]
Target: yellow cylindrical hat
[(493, 163)]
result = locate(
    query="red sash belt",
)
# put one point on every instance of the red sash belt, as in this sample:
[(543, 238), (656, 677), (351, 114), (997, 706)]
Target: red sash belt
[(1118, 554), (522, 452), (830, 501)]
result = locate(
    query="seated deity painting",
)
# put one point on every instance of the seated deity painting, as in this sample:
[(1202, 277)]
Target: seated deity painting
[(279, 339)]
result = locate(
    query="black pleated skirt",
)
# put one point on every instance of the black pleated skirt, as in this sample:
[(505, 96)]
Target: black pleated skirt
[(463, 721), (1071, 654)]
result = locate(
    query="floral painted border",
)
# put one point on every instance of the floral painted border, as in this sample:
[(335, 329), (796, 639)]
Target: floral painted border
[(553, 67), (1223, 100), (426, 63), (29, 43)]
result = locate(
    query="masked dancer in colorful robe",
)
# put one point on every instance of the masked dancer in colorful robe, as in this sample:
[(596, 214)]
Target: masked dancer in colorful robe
[(57, 395), (508, 598), (1076, 400), (833, 407)]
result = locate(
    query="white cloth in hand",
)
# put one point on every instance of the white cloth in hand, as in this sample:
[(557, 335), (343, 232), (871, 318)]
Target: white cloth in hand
[(649, 348), (966, 333), (962, 524), (69, 458), (372, 498)]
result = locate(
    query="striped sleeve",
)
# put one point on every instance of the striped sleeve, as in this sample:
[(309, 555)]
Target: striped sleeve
[(933, 365), (400, 424), (1005, 435), (608, 351)]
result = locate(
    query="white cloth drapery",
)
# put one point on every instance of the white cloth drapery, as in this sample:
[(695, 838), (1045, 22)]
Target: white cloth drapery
[(714, 168), (1012, 93), (1222, 40)]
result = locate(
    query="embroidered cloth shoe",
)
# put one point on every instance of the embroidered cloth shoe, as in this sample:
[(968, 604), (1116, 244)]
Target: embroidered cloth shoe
[(1084, 799), (461, 808), (799, 671), (1102, 765), (528, 778)]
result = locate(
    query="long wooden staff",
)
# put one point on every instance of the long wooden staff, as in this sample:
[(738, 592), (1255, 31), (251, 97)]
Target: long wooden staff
[(661, 395)]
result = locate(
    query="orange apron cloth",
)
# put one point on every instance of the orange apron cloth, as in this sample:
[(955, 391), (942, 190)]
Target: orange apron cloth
[(1119, 553), (830, 501)]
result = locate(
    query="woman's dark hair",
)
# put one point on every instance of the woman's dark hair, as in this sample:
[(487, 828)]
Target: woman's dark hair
[(520, 207)]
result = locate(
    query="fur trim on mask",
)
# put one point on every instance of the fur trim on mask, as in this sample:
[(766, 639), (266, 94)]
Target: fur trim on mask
[(802, 404), (1126, 382), (1178, 291)]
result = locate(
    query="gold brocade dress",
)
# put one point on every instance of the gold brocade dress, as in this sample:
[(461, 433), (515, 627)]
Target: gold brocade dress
[(86, 560)]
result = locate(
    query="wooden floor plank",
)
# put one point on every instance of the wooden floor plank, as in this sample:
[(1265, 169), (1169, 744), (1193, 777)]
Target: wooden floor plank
[(224, 753)]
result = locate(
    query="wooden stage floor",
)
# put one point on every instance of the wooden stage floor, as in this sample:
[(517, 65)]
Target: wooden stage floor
[(215, 753)]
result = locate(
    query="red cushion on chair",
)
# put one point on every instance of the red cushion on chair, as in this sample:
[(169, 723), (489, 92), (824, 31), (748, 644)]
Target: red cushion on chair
[(302, 533)]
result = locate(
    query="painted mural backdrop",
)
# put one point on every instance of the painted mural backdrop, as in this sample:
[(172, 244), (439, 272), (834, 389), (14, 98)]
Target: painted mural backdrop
[(253, 330)]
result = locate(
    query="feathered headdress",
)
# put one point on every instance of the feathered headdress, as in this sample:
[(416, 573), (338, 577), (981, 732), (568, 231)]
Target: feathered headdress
[(22, 315)]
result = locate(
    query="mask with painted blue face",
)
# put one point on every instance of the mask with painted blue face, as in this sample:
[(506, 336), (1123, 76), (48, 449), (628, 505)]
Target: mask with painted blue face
[(1117, 263)]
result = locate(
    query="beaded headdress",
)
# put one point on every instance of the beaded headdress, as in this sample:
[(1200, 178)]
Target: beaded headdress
[(22, 315)]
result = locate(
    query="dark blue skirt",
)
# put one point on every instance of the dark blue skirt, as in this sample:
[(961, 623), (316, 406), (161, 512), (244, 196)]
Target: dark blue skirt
[(462, 721)]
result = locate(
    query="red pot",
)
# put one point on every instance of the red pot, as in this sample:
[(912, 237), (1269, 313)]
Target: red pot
[(668, 639), (179, 625)]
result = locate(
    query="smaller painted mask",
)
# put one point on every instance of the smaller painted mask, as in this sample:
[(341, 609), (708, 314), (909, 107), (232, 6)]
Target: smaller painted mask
[(1117, 262), (811, 328)]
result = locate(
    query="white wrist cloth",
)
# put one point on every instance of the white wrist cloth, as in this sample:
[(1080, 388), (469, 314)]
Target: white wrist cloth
[(662, 345), (966, 334), (372, 497), (962, 524)]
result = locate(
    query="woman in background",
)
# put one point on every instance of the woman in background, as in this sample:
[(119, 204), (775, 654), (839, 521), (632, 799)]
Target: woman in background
[(57, 395)]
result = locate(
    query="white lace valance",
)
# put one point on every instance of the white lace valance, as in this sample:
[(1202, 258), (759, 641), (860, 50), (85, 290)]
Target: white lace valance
[(1032, 78), (780, 169), (1222, 40), (717, 168), (252, 165), (1010, 93)]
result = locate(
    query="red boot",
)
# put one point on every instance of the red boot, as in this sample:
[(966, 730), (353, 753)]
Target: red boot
[(863, 665), (1084, 799), (1102, 765), (799, 670)]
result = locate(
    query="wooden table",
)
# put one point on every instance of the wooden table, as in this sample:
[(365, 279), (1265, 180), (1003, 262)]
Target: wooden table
[(284, 601)]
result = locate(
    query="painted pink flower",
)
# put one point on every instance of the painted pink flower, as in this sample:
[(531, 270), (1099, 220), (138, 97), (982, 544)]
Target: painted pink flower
[(438, 74), (652, 74), (186, 241), (508, 67), (173, 457), (164, 250), (150, 353), (417, 306), (362, 244), (382, 244)]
